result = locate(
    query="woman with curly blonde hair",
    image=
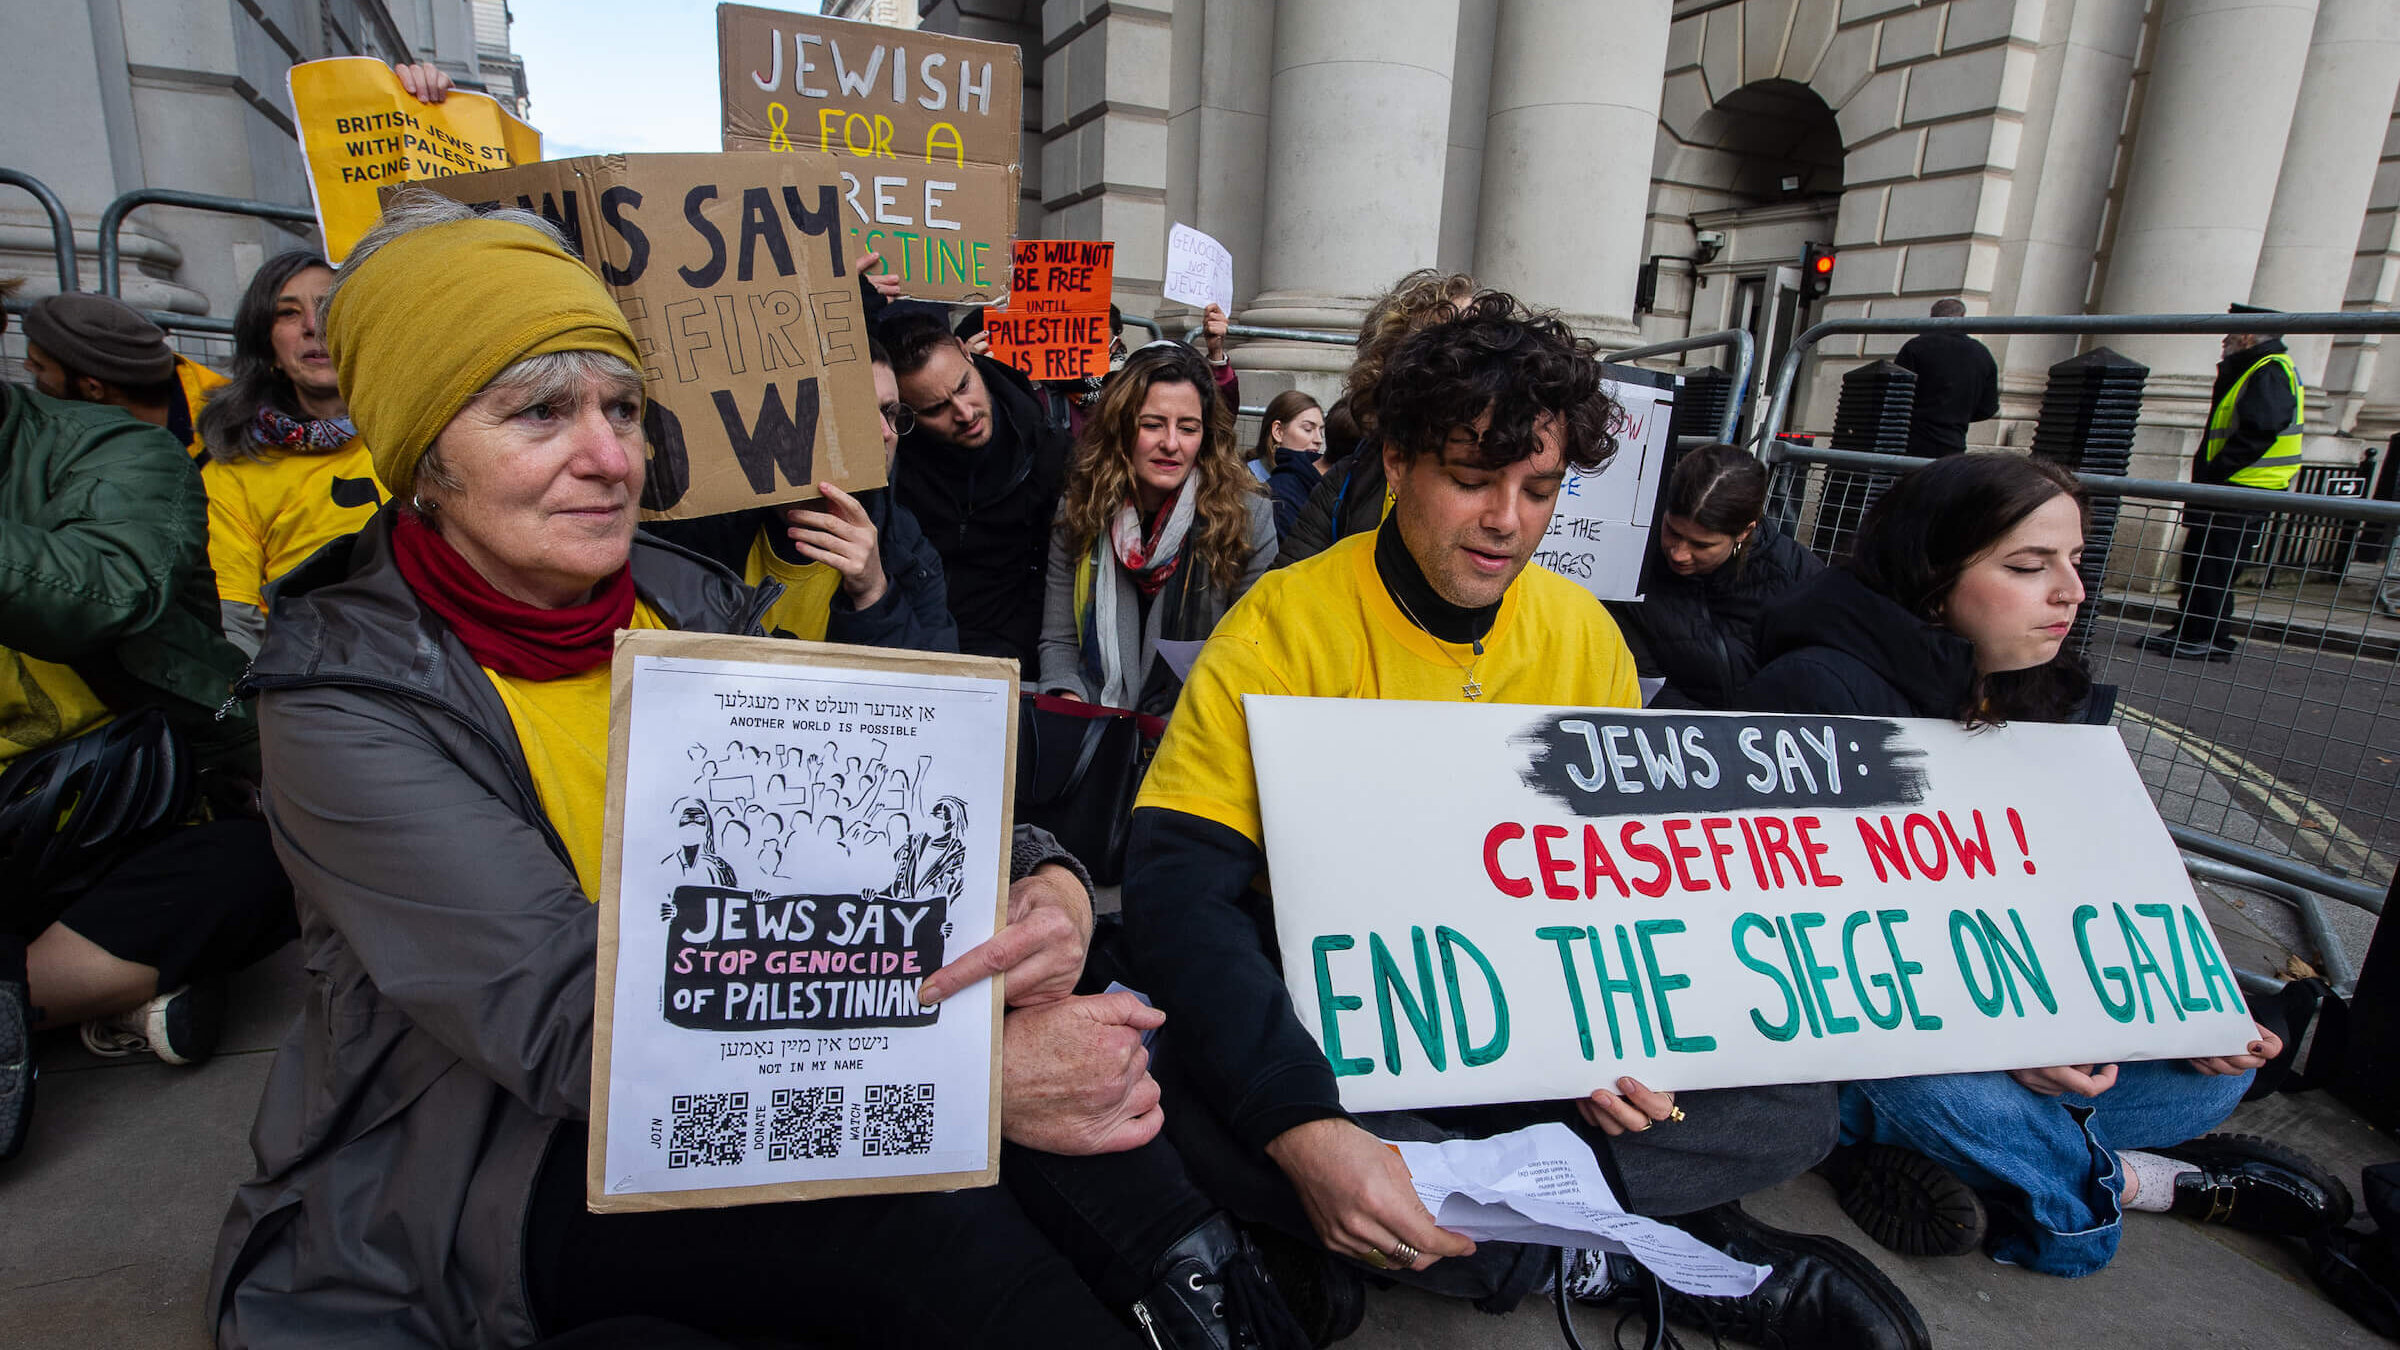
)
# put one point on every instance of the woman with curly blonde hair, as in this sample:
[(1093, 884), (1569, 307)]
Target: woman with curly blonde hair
[(1350, 497), (1160, 530)]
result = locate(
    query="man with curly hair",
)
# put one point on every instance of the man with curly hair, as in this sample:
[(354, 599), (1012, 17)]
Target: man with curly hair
[(1480, 417)]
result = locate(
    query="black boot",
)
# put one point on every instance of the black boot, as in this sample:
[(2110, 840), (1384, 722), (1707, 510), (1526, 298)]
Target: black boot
[(1905, 1200), (1212, 1293), (2257, 1186), (1821, 1292), (16, 1050)]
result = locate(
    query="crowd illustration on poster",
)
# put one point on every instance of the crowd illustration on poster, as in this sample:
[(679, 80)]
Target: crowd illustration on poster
[(799, 848)]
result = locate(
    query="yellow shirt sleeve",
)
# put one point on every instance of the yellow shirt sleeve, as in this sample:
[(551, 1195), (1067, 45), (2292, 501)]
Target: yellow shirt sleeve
[(806, 606), (1203, 766), (237, 547)]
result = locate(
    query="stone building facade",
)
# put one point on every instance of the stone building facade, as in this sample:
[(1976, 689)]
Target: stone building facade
[(98, 97), (2026, 156)]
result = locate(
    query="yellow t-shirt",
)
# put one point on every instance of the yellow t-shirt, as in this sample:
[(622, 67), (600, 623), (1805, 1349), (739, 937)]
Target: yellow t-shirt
[(806, 605), (40, 703), (1327, 628), (266, 516), (562, 728)]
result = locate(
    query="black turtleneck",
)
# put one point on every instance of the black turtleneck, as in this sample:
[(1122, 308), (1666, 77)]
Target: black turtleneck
[(1416, 596)]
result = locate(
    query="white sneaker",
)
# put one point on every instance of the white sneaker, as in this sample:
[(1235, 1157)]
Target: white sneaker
[(179, 1027)]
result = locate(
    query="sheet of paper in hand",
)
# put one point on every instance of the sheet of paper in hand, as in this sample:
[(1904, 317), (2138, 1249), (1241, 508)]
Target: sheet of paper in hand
[(1199, 270), (1600, 533), (798, 834), (1518, 903)]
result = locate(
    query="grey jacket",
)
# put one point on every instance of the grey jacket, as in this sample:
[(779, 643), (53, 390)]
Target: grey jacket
[(448, 1028), (1187, 610)]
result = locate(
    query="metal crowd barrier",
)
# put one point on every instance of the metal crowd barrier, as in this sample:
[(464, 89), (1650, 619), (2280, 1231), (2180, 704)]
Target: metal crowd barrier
[(62, 230), (1745, 355), (112, 224), (1138, 321)]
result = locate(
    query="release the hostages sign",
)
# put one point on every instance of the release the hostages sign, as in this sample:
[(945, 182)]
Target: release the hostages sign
[(1515, 903)]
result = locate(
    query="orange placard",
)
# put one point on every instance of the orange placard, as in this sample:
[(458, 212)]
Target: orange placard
[(1055, 326)]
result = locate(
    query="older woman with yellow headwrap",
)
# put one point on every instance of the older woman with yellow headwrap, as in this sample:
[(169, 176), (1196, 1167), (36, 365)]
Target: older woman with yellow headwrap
[(433, 710)]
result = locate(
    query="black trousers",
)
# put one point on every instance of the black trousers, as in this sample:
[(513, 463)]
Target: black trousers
[(1040, 1260), (1732, 1142), (195, 902), (2215, 543)]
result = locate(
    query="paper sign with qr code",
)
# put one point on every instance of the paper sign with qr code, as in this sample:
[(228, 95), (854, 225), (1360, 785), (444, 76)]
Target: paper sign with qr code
[(798, 835)]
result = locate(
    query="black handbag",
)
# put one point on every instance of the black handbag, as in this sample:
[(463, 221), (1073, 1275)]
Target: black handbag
[(1078, 768)]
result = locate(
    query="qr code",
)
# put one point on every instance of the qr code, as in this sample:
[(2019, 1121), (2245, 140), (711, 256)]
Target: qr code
[(708, 1129), (804, 1123), (898, 1119)]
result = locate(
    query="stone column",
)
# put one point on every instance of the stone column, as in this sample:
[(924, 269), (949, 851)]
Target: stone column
[(2329, 165), (1357, 138), (2214, 122), (1567, 149)]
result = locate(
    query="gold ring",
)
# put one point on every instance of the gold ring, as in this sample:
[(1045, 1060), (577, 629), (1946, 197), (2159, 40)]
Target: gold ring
[(1377, 1259), (1404, 1255), (1675, 1113)]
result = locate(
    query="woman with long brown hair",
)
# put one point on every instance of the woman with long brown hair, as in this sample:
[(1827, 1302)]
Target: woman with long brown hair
[(1160, 530)]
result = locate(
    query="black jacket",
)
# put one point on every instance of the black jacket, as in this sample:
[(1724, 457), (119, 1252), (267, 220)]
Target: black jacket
[(1834, 646), (1294, 477), (1957, 383), (1348, 500), (1701, 632), (914, 612), (2269, 404), (987, 513)]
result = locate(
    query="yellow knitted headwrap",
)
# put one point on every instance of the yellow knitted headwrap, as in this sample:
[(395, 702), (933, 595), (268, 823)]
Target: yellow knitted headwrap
[(423, 323)]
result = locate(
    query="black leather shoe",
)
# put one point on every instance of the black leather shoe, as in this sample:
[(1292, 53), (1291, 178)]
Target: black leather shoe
[(16, 1065), (2257, 1186), (1905, 1200), (2196, 651), (1327, 1296), (2160, 643), (1212, 1294), (1821, 1293)]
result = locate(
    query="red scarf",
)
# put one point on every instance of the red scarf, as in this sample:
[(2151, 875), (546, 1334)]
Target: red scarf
[(505, 635)]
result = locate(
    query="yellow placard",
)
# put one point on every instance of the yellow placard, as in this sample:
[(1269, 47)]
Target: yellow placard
[(360, 132)]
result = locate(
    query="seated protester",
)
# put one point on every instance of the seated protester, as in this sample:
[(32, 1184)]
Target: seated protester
[(433, 701), (981, 470), (1353, 496), (96, 349), (118, 911), (287, 471), (1291, 445), (1160, 532), (1481, 418), (1955, 602), (854, 568), (1718, 564)]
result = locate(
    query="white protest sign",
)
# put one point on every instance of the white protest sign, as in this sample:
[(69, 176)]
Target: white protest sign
[(1199, 270), (798, 834), (1601, 529), (1718, 900)]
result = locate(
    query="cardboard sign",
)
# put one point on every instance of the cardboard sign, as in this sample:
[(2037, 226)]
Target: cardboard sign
[(1199, 270), (1601, 530), (361, 132), (1056, 324), (929, 130), (1524, 904), (797, 835), (753, 336)]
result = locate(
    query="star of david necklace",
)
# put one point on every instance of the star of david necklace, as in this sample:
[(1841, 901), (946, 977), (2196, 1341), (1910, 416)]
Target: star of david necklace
[(1473, 688)]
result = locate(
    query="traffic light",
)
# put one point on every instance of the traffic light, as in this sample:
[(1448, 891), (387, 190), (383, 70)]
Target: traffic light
[(1816, 270)]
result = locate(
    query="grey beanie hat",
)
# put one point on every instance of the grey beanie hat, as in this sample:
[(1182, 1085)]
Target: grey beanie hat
[(100, 337)]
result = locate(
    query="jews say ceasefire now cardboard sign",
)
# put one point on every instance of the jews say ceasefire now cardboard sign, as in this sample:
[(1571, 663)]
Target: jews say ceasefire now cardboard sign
[(1523, 904), (925, 131), (751, 330)]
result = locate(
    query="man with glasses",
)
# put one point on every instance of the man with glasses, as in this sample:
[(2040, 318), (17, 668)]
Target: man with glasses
[(981, 468), (854, 568)]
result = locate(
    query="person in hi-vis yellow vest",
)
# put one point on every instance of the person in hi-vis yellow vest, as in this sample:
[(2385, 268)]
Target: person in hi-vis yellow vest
[(2252, 441)]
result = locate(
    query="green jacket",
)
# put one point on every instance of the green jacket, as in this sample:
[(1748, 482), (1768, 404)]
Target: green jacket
[(104, 567)]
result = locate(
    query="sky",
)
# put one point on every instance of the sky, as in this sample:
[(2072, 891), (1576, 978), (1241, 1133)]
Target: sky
[(623, 75)]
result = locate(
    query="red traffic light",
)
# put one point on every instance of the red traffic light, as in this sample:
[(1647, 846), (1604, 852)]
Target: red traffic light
[(1824, 264)]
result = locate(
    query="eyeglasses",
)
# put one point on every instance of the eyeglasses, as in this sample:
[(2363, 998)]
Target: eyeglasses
[(899, 418)]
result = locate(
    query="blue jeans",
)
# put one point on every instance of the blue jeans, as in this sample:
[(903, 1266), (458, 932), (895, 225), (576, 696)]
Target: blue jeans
[(2049, 1162)]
